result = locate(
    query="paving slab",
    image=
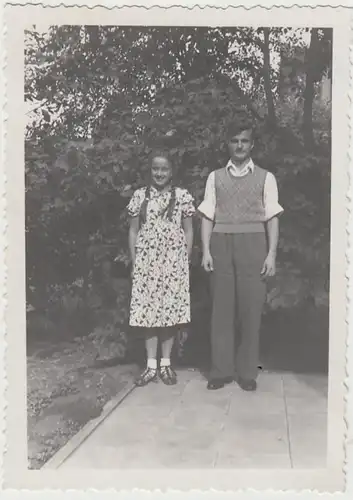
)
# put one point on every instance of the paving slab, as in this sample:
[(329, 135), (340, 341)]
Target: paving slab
[(307, 434), (305, 393), (268, 398), (281, 425), (253, 461), (248, 439)]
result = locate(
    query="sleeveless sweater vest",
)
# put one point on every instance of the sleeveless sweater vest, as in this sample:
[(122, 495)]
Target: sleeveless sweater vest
[(239, 202)]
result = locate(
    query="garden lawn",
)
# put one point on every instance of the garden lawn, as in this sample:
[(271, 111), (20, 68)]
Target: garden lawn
[(66, 388)]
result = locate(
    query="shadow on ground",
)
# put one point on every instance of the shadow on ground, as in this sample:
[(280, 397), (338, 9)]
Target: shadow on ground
[(294, 340)]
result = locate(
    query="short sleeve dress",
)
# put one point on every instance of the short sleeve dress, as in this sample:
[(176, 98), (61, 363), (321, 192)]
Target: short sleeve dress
[(160, 284)]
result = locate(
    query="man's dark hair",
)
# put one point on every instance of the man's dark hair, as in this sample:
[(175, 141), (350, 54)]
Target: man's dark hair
[(239, 126)]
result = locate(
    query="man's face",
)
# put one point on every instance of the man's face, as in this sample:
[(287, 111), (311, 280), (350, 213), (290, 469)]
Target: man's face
[(240, 146)]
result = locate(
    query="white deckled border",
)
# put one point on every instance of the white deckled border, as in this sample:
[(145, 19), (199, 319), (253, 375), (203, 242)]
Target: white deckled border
[(3, 245), (189, 4), (266, 495), (349, 276)]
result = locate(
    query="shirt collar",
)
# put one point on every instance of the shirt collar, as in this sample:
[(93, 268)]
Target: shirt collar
[(249, 166)]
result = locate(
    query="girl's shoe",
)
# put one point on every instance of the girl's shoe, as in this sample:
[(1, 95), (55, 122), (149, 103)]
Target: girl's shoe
[(147, 376), (167, 375)]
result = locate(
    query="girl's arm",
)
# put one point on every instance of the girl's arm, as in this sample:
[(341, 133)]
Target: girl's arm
[(189, 233), (133, 230)]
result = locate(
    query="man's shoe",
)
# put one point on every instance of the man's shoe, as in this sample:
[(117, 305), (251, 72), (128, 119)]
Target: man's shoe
[(218, 383), (247, 385)]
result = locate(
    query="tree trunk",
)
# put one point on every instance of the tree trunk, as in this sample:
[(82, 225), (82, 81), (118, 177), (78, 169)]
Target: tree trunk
[(272, 120), (309, 92)]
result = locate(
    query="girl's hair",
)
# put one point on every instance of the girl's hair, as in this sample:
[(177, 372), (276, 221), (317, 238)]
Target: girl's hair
[(169, 210)]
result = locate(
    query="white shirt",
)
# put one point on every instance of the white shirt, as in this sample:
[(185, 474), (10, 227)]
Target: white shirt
[(272, 207)]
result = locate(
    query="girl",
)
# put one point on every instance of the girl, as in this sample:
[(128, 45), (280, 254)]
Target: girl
[(160, 241)]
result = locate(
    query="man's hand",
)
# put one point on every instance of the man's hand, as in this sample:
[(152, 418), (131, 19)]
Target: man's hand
[(269, 267), (207, 262)]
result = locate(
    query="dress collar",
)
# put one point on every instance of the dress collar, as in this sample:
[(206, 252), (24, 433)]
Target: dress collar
[(157, 191)]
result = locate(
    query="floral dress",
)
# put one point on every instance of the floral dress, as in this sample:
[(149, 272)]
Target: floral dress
[(160, 284)]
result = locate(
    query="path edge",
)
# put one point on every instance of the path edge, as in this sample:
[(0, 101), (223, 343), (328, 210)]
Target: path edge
[(75, 441)]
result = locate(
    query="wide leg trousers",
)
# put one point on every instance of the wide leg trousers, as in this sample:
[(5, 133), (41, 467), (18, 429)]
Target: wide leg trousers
[(238, 296)]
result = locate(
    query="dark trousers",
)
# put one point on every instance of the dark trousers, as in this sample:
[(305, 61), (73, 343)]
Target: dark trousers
[(238, 296)]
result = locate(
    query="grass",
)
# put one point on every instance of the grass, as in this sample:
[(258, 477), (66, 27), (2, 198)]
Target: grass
[(67, 388)]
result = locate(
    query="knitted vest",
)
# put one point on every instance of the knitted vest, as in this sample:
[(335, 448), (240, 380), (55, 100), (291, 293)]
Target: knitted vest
[(239, 201)]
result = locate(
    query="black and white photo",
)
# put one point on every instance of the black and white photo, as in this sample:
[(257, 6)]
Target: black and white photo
[(184, 236)]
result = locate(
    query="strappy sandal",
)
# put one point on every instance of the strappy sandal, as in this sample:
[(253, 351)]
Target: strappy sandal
[(147, 376), (167, 375)]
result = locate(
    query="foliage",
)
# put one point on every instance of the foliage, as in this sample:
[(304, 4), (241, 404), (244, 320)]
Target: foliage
[(104, 98)]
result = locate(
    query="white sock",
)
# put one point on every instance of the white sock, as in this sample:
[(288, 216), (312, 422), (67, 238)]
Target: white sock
[(152, 363), (165, 362)]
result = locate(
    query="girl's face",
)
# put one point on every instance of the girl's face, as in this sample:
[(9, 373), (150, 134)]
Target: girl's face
[(161, 171)]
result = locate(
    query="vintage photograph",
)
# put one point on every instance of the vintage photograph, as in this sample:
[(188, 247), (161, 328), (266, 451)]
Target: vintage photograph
[(178, 239), (177, 213)]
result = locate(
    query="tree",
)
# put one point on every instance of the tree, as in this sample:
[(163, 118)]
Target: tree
[(319, 57), (310, 90), (105, 96), (271, 114)]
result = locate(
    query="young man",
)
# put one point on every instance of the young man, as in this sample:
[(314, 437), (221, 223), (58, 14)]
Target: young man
[(239, 238)]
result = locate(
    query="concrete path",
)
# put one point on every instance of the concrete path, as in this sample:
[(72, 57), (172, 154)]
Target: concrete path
[(282, 425)]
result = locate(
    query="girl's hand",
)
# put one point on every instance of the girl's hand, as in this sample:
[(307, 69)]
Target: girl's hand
[(207, 262)]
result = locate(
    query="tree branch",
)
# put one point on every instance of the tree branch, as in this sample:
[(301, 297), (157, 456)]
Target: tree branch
[(37, 107)]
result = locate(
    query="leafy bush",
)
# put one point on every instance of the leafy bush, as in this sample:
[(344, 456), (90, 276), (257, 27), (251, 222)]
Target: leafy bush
[(84, 161)]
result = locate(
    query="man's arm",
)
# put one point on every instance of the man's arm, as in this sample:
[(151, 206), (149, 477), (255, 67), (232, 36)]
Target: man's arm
[(272, 234), (272, 207), (207, 210), (206, 231), (273, 210), (272, 229), (208, 206)]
